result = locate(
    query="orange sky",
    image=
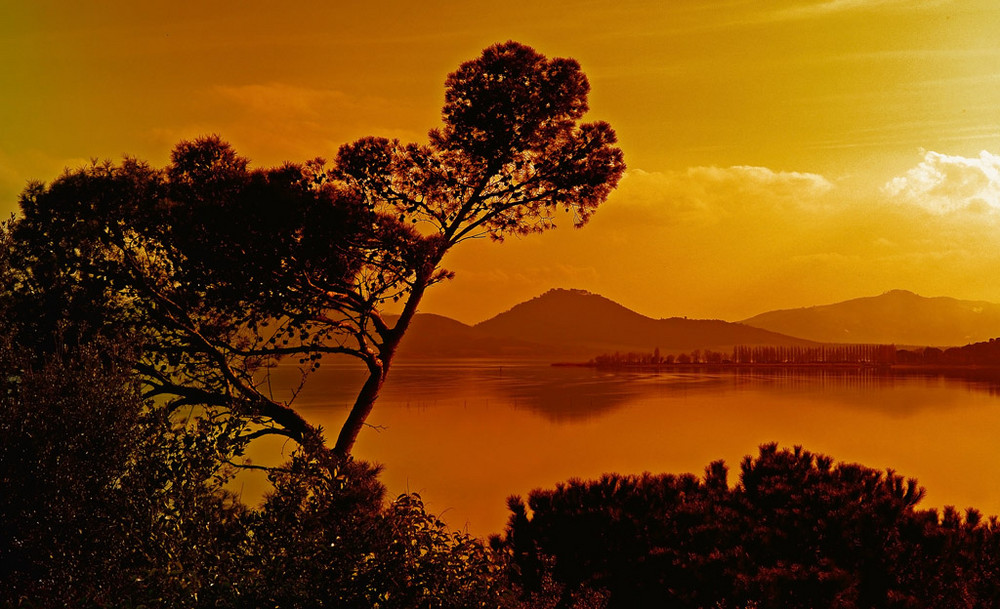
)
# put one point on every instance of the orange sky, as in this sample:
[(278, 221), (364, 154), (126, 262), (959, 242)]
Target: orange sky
[(780, 154)]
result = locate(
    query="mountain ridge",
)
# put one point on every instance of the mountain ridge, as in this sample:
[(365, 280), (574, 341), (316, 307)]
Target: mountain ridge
[(576, 325), (897, 317)]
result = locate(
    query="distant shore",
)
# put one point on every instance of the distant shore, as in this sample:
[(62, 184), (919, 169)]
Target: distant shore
[(930, 368)]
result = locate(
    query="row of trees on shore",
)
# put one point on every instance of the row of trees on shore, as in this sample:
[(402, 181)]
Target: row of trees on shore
[(872, 355), (986, 353)]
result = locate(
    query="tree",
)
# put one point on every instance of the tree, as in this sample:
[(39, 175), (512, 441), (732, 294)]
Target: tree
[(510, 153), (221, 271), (196, 264)]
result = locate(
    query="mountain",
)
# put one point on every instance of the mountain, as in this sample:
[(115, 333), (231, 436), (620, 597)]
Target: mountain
[(578, 324), (440, 337), (896, 317)]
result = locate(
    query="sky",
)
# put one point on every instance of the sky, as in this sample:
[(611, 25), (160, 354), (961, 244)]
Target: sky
[(781, 154)]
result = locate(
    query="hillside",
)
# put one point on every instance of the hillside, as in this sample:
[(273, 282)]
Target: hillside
[(898, 317), (581, 324), (438, 337)]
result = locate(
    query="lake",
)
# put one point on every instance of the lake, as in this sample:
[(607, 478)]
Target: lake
[(466, 435)]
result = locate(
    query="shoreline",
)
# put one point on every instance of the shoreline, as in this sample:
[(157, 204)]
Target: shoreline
[(902, 368)]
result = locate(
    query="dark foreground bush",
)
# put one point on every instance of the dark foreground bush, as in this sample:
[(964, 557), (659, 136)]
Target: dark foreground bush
[(103, 501), (322, 542), (107, 502), (797, 531)]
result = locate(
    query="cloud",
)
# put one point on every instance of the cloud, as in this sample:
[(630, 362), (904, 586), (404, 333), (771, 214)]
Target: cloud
[(286, 100), (276, 121), (730, 242), (832, 7), (708, 195), (759, 181), (944, 184)]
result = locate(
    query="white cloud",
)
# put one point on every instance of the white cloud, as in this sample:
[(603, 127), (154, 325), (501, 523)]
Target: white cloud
[(748, 180), (945, 184), (710, 194), (830, 7)]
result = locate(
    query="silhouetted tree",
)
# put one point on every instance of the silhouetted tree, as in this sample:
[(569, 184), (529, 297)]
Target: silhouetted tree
[(107, 502), (219, 270), (509, 155)]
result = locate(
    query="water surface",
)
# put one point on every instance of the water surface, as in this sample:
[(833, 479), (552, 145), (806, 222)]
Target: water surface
[(466, 435)]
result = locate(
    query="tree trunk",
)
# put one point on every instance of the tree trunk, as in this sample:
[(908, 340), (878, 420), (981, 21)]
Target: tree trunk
[(378, 370), (362, 408)]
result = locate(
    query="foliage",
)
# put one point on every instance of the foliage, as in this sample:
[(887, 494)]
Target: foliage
[(986, 353), (144, 307), (105, 502), (320, 542), (742, 355), (797, 531), (204, 263), (102, 500), (221, 270)]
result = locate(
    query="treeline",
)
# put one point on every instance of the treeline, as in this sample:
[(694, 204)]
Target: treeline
[(796, 531), (873, 355), (698, 356), (825, 354), (986, 353)]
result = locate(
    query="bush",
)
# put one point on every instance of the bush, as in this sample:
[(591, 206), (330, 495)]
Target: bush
[(797, 531), (102, 499), (331, 542), (105, 501)]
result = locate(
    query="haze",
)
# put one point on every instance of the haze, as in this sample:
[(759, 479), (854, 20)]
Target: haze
[(781, 154)]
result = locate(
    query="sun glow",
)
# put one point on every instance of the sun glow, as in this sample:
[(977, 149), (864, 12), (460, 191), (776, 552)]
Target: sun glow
[(785, 154)]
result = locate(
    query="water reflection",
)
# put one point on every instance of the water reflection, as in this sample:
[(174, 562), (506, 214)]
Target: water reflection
[(466, 435), (567, 394)]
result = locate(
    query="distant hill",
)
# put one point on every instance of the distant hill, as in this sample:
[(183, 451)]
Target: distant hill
[(897, 317), (440, 337), (580, 325)]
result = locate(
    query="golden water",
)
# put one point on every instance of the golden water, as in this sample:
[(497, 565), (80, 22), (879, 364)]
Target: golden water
[(465, 436)]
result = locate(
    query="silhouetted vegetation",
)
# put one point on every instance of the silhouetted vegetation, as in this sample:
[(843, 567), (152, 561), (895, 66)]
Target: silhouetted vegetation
[(102, 500), (986, 353), (796, 531), (141, 309), (107, 502), (879, 355), (218, 271), (867, 355)]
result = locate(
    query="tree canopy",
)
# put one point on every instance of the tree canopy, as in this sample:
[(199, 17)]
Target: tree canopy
[(220, 270)]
